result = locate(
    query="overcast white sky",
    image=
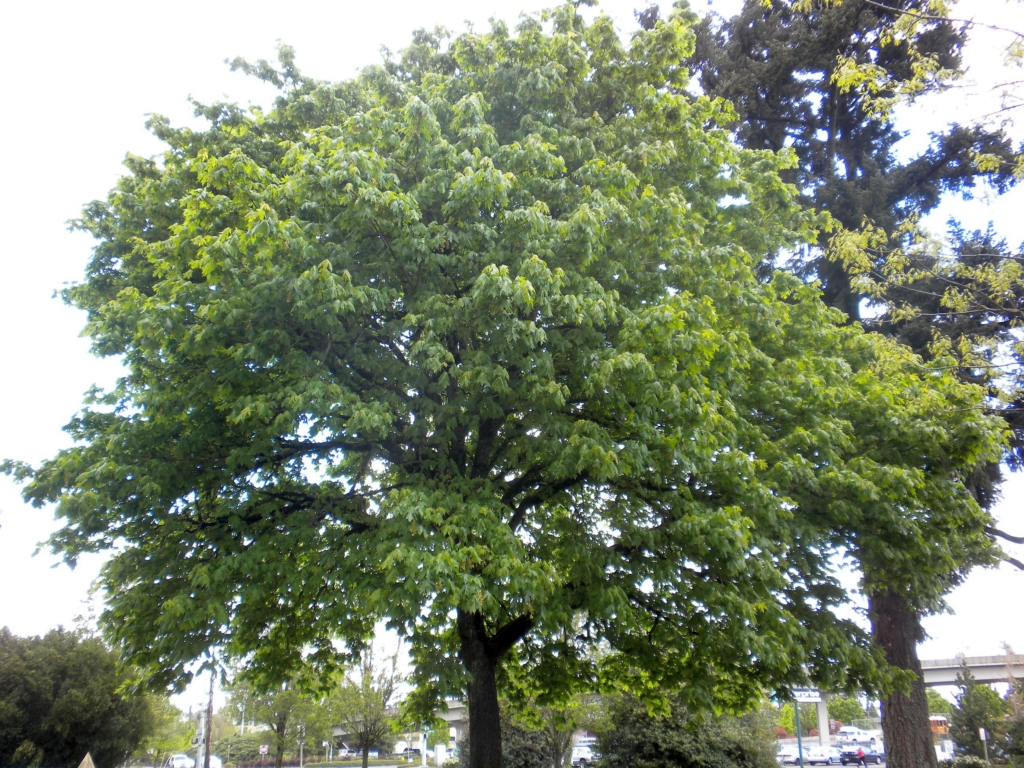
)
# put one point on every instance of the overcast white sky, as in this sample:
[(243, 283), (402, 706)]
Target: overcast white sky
[(80, 78)]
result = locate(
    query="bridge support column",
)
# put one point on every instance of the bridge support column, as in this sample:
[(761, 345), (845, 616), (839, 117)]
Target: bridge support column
[(823, 722)]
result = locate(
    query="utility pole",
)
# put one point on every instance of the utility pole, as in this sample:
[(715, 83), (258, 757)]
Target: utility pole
[(209, 726)]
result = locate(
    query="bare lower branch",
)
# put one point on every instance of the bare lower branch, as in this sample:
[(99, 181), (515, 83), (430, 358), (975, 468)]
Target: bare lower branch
[(995, 532)]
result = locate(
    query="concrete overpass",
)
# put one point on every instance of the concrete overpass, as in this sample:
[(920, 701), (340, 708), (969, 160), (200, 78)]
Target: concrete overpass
[(986, 669)]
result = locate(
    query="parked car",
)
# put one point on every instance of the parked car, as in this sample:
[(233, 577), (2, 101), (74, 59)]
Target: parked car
[(823, 756), (871, 755), (851, 734), (583, 755), (787, 754), (181, 761)]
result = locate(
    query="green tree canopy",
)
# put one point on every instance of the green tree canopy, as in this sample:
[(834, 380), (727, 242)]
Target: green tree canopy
[(845, 709), (937, 703), (170, 732), (61, 698), (479, 343)]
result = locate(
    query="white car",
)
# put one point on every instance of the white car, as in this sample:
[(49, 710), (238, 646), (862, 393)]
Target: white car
[(823, 756), (181, 761), (787, 754), (850, 734), (583, 756)]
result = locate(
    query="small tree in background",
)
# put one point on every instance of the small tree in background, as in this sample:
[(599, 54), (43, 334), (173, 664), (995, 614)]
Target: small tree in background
[(630, 735), (938, 704), (363, 706), (845, 709), (786, 718), (290, 712), (240, 747), (171, 731), (977, 706), (552, 727)]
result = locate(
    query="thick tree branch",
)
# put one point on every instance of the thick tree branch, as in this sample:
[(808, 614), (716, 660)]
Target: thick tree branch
[(488, 433), (541, 495), (520, 484), (510, 634), (1014, 562), (995, 532)]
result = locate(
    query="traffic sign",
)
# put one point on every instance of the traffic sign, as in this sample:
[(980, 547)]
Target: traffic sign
[(264, 749), (807, 695)]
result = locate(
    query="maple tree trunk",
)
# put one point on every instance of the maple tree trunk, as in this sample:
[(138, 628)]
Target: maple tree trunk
[(897, 630), (279, 731), (481, 662)]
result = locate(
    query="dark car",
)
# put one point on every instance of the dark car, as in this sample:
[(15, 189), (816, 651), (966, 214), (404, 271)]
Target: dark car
[(870, 756)]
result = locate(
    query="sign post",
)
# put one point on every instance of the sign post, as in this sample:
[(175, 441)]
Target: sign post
[(984, 743)]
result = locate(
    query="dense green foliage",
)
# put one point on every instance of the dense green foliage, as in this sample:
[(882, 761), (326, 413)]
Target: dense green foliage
[(786, 718), (482, 343), (170, 732), (779, 66), (938, 704), (243, 747), (845, 709), (632, 736), (60, 698), (977, 706), (521, 746)]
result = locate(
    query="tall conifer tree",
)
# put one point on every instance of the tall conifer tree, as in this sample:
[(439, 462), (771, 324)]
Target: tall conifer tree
[(779, 64)]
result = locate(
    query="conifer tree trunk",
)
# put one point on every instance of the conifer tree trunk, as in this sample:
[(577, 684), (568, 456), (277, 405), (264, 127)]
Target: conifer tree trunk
[(896, 628)]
